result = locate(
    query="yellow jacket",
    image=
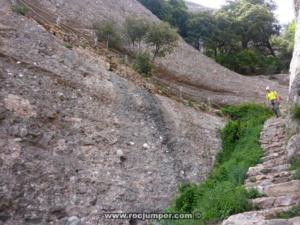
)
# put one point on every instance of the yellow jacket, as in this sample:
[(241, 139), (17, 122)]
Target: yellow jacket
[(272, 95)]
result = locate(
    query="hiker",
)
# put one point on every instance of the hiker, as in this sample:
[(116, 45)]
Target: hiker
[(274, 101)]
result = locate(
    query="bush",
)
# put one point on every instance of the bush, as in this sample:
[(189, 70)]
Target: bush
[(295, 112), (21, 9), (143, 64), (223, 194), (108, 33)]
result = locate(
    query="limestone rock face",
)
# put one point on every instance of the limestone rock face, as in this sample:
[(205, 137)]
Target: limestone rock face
[(293, 147), (294, 90), (77, 141), (186, 70)]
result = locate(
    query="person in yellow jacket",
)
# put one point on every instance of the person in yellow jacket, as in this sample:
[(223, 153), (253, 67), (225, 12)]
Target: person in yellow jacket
[(273, 100)]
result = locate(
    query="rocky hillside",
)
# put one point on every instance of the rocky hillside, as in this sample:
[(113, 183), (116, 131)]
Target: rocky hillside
[(194, 7), (77, 140), (186, 70)]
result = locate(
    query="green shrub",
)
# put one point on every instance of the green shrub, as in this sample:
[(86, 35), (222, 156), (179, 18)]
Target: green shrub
[(293, 212), (67, 45), (295, 112), (108, 33), (21, 9), (295, 164), (297, 174), (143, 64), (254, 193), (223, 194), (190, 103)]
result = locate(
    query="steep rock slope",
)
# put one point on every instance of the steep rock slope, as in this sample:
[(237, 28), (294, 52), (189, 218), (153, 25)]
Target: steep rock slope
[(294, 90), (77, 141), (195, 75)]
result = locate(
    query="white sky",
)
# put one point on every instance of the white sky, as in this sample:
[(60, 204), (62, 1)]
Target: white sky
[(285, 11)]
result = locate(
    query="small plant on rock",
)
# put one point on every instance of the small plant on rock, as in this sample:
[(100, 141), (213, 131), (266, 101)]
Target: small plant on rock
[(21, 9), (253, 193), (67, 45)]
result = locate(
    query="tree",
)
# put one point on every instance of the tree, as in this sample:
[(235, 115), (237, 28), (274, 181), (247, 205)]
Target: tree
[(108, 33), (160, 8), (136, 30), (201, 27), (180, 16), (162, 38), (284, 45)]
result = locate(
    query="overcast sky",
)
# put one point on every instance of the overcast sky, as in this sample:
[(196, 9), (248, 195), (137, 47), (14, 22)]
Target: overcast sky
[(285, 11)]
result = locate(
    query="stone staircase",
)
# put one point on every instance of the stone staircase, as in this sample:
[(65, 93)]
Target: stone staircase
[(273, 179)]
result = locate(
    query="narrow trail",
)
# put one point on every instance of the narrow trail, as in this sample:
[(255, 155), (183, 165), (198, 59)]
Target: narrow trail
[(273, 178)]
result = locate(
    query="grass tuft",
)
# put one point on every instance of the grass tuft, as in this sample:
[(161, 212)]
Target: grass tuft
[(223, 194), (254, 193)]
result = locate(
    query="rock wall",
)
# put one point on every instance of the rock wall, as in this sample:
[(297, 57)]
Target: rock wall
[(77, 141), (195, 75), (294, 91)]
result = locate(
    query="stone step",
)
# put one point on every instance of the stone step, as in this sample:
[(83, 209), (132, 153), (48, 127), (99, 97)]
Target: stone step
[(267, 136), (274, 202), (293, 221), (275, 150), (277, 155), (271, 176), (255, 217), (275, 145), (267, 181), (282, 189), (261, 169), (276, 163)]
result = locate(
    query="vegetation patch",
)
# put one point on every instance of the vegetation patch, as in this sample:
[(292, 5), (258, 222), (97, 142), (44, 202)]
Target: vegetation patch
[(295, 166), (254, 193), (143, 65), (293, 212), (21, 9), (295, 112), (69, 46), (223, 194), (109, 34)]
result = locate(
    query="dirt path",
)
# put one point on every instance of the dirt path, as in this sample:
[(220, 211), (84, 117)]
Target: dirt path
[(273, 178)]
